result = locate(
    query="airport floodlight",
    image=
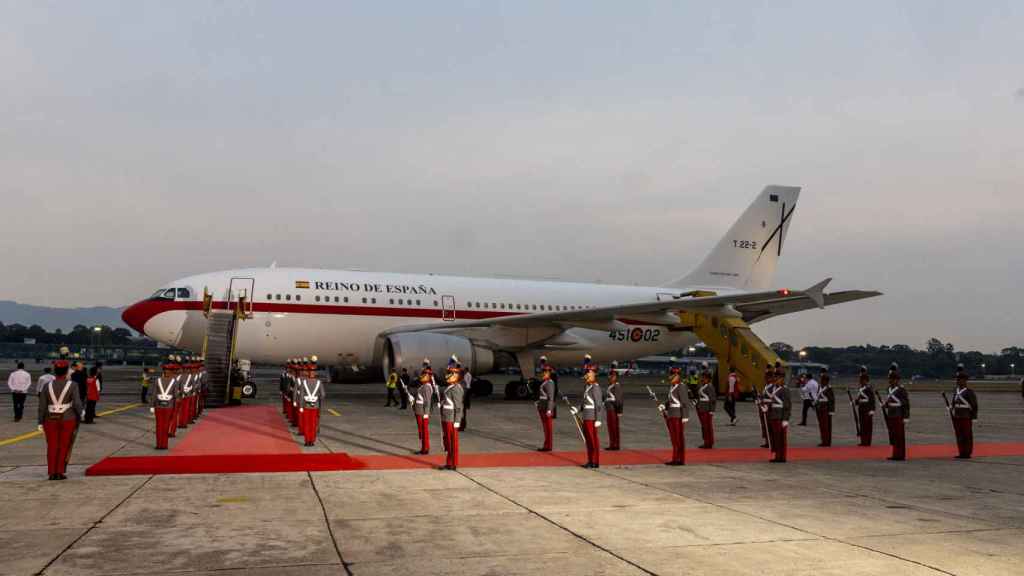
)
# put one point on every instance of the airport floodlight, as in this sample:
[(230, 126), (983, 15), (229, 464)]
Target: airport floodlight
[(692, 349), (803, 354), (97, 329)]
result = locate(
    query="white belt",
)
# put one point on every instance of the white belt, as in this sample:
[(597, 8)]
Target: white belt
[(59, 408)]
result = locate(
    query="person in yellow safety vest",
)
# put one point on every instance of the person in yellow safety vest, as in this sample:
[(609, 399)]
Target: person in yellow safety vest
[(392, 389), (144, 396)]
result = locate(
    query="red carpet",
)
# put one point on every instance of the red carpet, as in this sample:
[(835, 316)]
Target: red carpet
[(238, 430), (299, 462)]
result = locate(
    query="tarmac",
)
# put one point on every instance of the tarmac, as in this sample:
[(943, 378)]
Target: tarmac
[(819, 516)]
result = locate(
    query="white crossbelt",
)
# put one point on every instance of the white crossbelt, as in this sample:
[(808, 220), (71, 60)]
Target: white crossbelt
[(187, 386), (449, 402), (703, 395), (588, 401), (673, 398), (164, 395), (57, 405), (892, 399), (311, 397), (959, 401)]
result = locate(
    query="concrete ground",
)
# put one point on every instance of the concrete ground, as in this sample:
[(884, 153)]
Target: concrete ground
[(868, 517)]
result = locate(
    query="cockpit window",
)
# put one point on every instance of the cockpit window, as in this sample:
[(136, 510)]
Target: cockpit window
[(184, 294)]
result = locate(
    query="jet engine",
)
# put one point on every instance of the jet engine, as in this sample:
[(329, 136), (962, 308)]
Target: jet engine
[(409, 350)]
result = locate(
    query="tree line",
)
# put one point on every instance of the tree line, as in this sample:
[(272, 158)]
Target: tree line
[(79, 335)]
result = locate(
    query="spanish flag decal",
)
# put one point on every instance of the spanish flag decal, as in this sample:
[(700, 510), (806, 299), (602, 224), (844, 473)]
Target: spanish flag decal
[(302, 284)]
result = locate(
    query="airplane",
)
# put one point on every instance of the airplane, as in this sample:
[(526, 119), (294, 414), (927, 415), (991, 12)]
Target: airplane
[(365, 323)]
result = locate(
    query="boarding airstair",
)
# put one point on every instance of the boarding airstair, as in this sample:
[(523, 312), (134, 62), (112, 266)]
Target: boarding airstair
[(219, 346), (734, 344)]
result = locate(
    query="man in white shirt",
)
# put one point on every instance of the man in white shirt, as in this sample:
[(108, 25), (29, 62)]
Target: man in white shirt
[(19, 382), (44, 380), (808, 392)]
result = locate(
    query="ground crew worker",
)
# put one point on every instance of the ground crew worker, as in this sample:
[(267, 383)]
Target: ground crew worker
[(964, 412), (613, 405), (451, 413), (692, 383), (825, 407), (144, 396), (546, 404), (311, 397), (897, 413), (707, 397), (676, 411), (392, 386), (60, 409), (591, 410), (467, 396), (779, 409), (163, 407), (423, 404), (865, 407), (760, 403), (732, 395), (92, 395)]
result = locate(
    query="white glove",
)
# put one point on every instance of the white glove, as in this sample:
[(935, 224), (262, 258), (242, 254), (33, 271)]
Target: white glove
[(426, 417), (597, 424), (906, 421), (685, 420), (573, 410), (301, 410), (152, 410), (550, 414), (39, 427), (661, 407), (871, 413), (785, 423), (457, 424)]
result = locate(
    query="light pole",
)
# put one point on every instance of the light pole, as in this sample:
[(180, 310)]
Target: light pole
[(96, 330), (982, 370), (803, 355), (1012, 371)]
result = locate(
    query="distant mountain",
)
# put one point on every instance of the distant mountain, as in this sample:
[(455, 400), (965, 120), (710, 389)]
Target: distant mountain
[(63, 318)]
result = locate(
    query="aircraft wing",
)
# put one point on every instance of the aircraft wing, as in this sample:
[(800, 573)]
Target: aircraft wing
[(753, 305)]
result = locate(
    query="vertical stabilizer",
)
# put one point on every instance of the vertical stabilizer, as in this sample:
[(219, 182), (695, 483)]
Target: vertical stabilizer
[(747, 255)]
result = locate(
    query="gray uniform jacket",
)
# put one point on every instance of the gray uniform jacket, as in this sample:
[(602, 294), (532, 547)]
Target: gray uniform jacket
[(451, 403), (897, 403), (546, 396), (312, 394), (826, 397), (424, 401), (70, 406), (707, 397), (168, 386), (592, 404), (613, 397), (779, 405), (677, 405)]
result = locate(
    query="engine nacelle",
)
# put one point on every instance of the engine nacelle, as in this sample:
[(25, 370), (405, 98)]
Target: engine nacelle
[(409, 350)]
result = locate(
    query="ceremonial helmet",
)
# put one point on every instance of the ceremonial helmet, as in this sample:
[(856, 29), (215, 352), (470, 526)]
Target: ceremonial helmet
[(863, 369), (961, 373)]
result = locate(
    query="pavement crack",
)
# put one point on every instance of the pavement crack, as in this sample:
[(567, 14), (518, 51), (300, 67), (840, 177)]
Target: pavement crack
[(327, 521)]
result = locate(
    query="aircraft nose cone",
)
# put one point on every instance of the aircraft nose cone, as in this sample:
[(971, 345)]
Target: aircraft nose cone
[(136, 316)]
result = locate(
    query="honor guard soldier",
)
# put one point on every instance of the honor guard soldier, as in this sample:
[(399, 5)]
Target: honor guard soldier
[(825, 407), (897, 412), (312, 401), (60, 410), (964, 412), (865, 407), (423, 404), (451, 413), (591, 411), (613, 405), (183, 394), (204, 385), (163, 406), (546, 403), (707, 397), (172, 372), (761, 404), (676, 411), (779, 408)]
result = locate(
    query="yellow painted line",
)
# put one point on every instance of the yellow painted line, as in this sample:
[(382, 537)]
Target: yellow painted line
[(20, 438), (121, 409), (333, 412)]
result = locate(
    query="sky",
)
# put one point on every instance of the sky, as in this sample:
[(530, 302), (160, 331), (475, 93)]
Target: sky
[(141, 142)]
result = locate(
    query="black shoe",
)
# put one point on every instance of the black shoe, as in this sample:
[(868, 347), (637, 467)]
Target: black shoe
[(764, 446), (673, 463), (17, 419), (961, 457), (52, 477), (776, 461), (61, 477), (543, 449), (610, 449), (703, 447), (895, 459)]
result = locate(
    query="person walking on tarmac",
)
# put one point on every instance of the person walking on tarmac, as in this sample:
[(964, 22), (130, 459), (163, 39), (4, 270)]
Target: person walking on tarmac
[(423, 404), (825, 407), (964, 412), (613, 404), (19, 382), (707, 398), (779, 410), (676, 411), (591, 411), (546, 404), (392, 386), (451, 413), (897, 413), (865, 407), (92, 395), (312, 396), (164, 400), (732, 395), (60, 410)]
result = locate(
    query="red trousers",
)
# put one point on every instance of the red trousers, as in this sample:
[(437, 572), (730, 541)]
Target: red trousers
[(59, 436), (825, 425), (172, 426), (675, 434), (285, 405), (423, 425), (964, 429), (764, 425), (707, 428), (613, 429), (593, 442), (867, 427), (451, 443), (310, 424), (897, 437), (164, 420), (183, 413), (546, 424), (779, 439), (193, 406)]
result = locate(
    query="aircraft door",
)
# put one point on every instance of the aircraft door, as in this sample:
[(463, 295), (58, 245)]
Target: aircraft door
[(448, 308), (241, 290)]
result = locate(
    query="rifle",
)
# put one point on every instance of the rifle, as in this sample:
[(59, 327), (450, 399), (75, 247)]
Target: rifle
[(882, 404), (655, 398), (949, 409), (763, 414), (853, 408), (575, 418)]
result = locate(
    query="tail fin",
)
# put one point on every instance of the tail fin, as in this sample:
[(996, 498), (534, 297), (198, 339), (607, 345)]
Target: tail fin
[(746, 257)]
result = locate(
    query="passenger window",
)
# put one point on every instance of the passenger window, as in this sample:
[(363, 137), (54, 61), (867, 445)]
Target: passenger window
[(373, 300), (270, 296), (417, 302), (278, 297), (298, 297), (288, 297), (364, 300), (316, 298), (391, 301)]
